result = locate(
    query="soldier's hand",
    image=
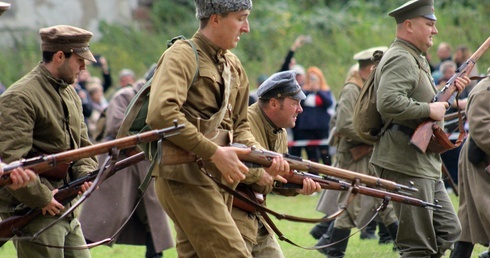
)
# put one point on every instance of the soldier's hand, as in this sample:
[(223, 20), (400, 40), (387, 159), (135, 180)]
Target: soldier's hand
[(53, 207), (309, 187), (227, 162), (462, 82), (278, 167), (438, 110), (21, 178)]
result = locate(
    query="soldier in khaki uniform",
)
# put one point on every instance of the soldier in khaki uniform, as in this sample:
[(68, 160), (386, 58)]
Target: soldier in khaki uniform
[(405, 91), (213, 108), (361, 209), (20, 177), (473, 175), (42, 114), (277, 107)]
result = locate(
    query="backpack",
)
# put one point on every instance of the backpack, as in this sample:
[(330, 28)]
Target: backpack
[(366, 119), (135, 117)]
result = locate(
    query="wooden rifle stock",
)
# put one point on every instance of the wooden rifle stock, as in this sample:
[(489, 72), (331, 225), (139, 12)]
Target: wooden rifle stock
[(295, 180), (264, 157), (44, 163), (428, 130), (12, 225)]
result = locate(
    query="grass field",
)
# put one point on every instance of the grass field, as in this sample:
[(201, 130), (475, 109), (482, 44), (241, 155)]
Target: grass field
[(303, 206)]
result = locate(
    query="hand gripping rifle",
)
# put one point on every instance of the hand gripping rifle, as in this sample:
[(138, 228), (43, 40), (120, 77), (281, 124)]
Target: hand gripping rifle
[(48, 163), (12, 225), (428, 135), (264, 158), (295, 180)]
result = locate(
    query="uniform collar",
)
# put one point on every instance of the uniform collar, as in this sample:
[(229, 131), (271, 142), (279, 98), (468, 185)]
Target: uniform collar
[(273, 127), (58, 83), (209, 47)]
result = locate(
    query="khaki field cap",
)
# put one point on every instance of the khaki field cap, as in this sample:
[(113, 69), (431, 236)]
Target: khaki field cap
[(67, 39), (414, 8), (281, 85), (367, 54), (4, 7), (205, 8)]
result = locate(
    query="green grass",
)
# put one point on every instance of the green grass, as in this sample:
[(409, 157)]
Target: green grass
[(303, 206)]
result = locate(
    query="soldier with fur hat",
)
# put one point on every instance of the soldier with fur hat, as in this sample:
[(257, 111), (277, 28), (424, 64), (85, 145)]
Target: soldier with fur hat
[(277, 107), (213, 106), (405, 93), (41, 114)]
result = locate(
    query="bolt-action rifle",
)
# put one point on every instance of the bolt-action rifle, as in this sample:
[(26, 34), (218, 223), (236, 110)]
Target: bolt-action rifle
[(56, 165), (264, 158), (295, 180), (430, 136)]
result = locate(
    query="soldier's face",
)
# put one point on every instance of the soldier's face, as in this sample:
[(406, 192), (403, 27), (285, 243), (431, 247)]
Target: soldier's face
[(288, 113), (70, 68), (422, 31), (231, 27)]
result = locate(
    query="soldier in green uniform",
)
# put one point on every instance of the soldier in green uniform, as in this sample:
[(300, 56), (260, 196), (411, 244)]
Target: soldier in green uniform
[(42, 114), (20, 177), (213, 108), (277, 107), (361, 209), (405, 92), (473, 175)]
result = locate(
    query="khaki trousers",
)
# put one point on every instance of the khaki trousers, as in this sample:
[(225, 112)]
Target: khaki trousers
[(64, 233), (424, 232), (202, 220)]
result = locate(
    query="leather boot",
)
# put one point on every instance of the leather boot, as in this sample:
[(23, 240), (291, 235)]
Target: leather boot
[(319, 229), (325, 239), (369, 232), (385, 235), (462, 250), (393, 230), (338, 250), (150, 249)]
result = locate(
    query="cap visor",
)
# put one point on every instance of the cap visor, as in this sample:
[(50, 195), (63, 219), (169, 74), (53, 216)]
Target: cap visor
[(430, 17), (87, 55), (300, 96)]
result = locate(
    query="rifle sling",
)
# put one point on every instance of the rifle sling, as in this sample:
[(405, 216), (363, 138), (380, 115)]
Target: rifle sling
[(264, 211)]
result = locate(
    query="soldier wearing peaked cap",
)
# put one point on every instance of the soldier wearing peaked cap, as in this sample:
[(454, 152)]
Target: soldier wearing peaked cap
[(359, 212), (41, 114), (405, 93), (276, 109), (213, 106)]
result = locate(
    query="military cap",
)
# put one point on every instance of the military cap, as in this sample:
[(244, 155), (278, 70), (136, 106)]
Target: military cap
[(4, 7), (205, 8), (367, 54), (281, 85), (67, 39), (414, 8)]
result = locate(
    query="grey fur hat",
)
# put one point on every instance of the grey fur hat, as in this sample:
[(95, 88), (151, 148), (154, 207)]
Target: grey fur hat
[(205, 8)]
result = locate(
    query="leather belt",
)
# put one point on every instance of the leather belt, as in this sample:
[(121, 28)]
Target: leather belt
[(405, 129)]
